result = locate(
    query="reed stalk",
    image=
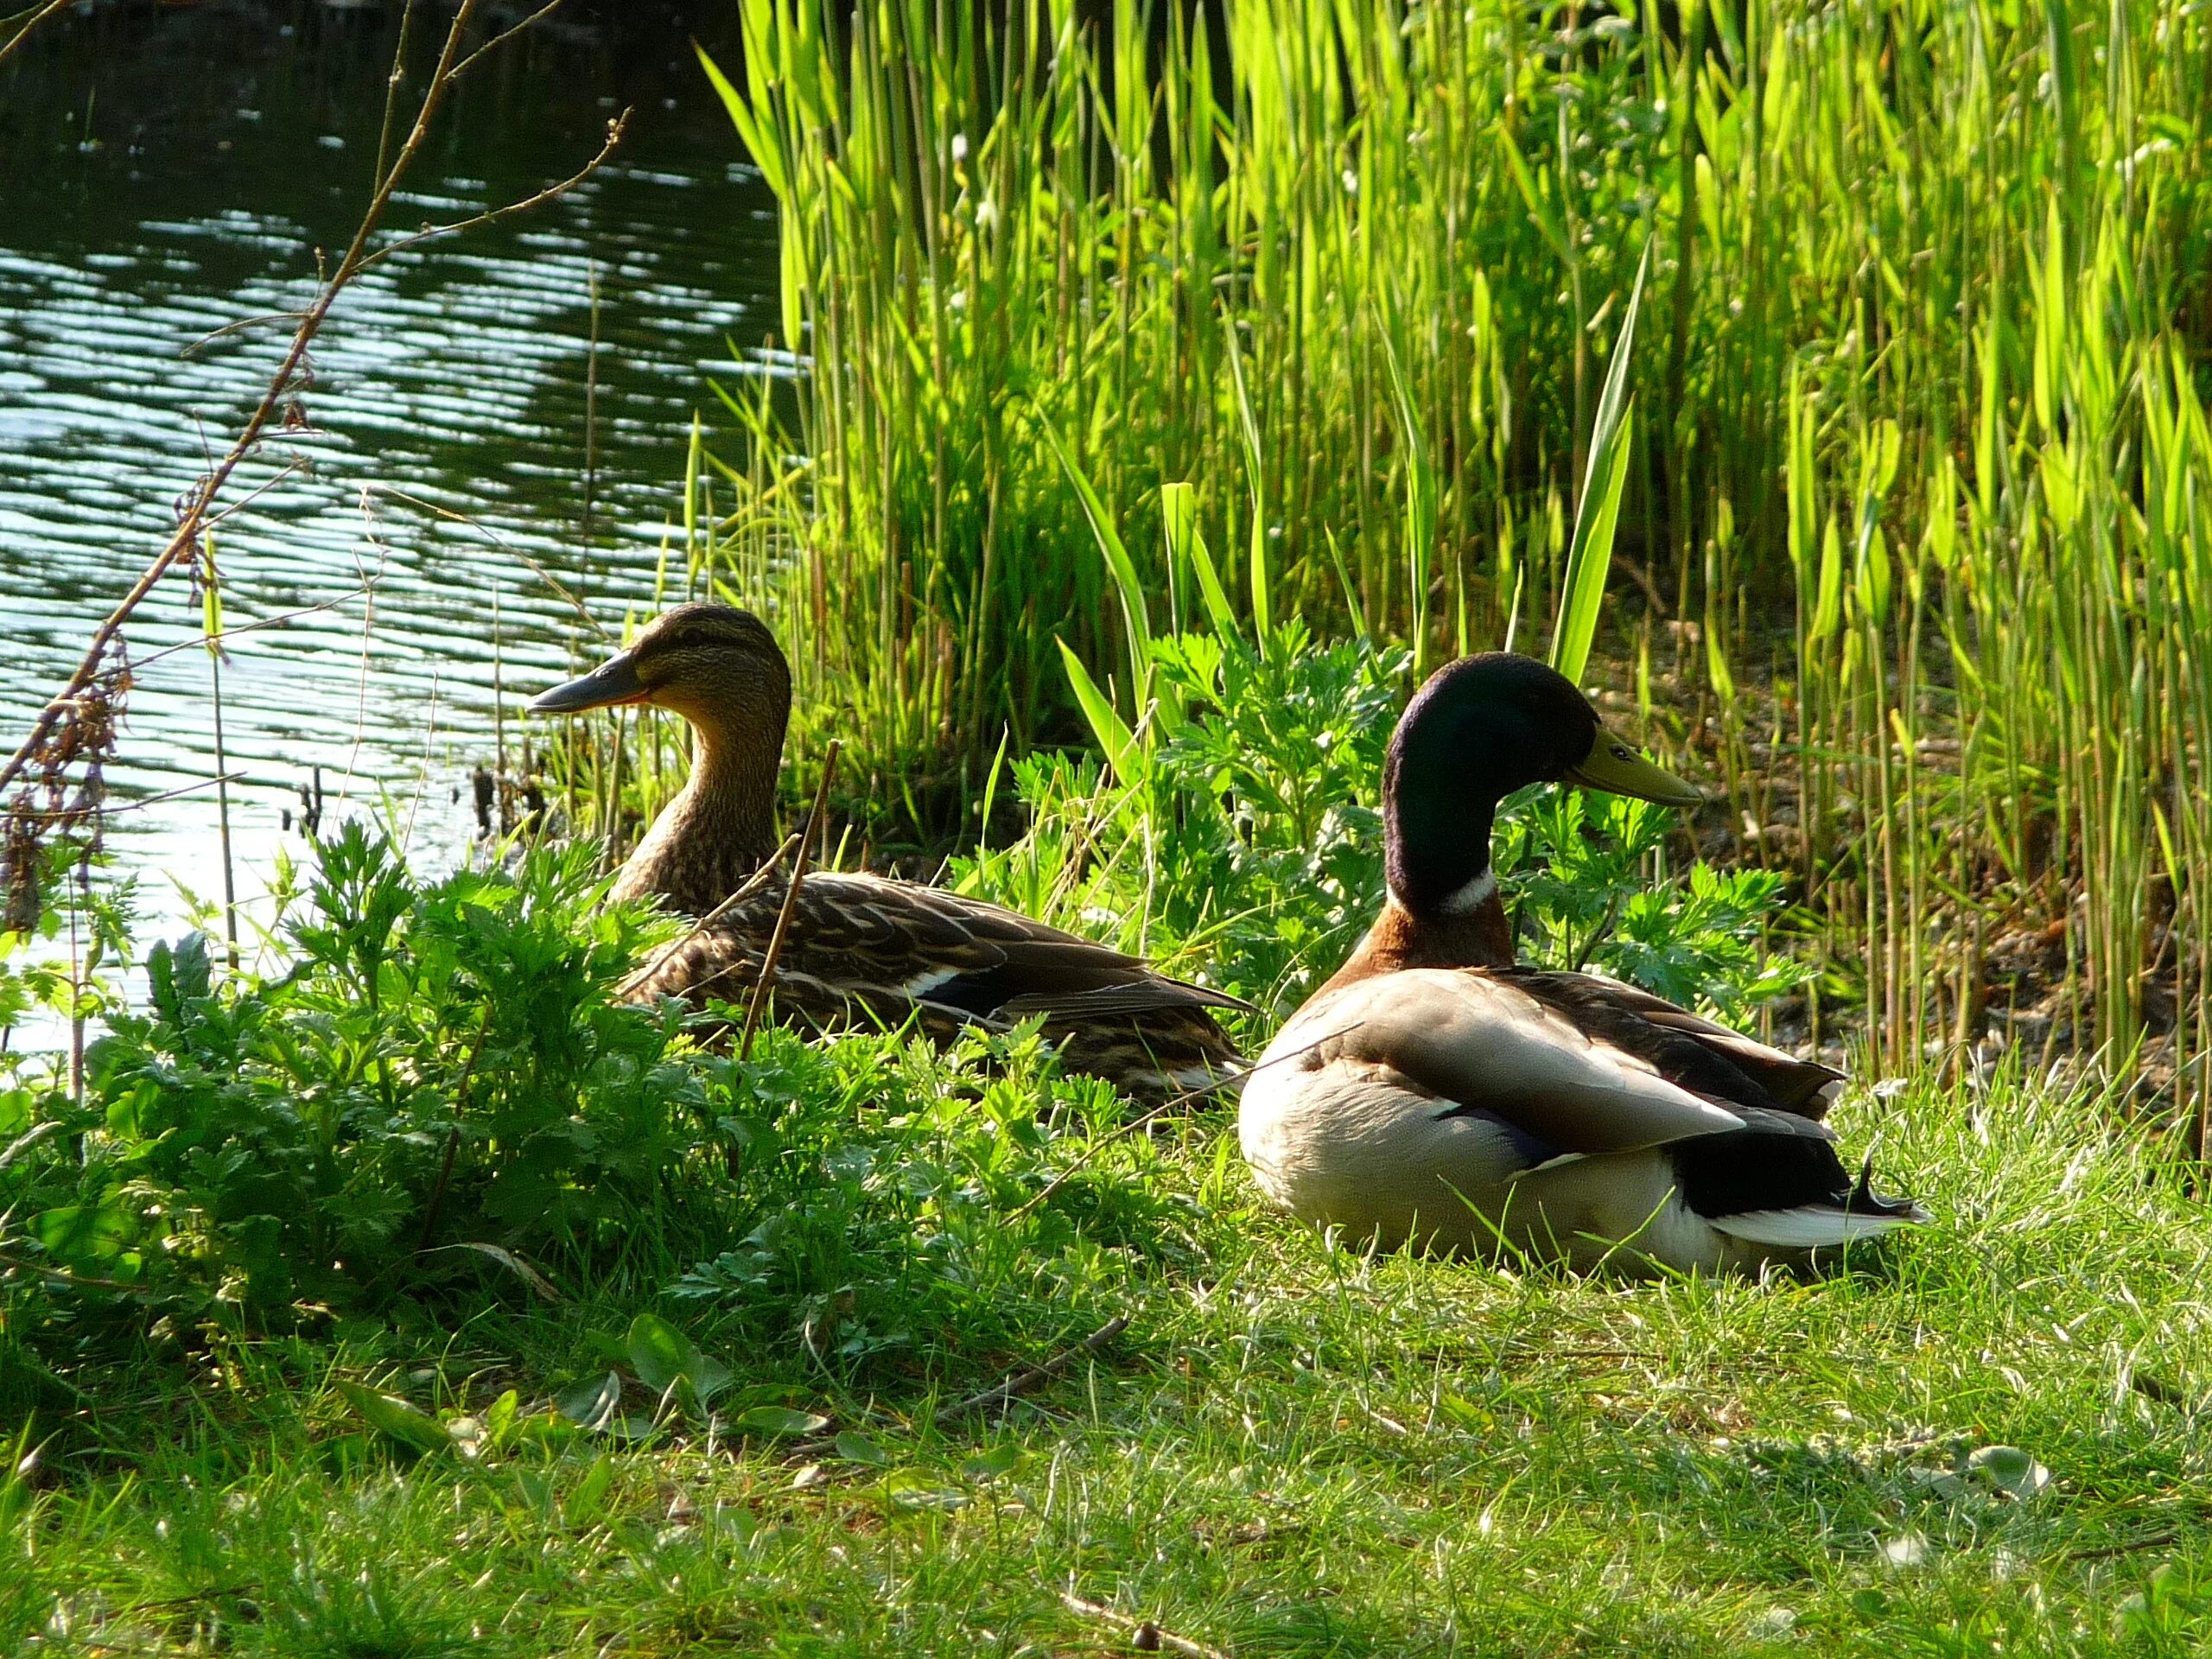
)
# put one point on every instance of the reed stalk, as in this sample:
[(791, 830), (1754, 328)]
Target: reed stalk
[(1923, 455)]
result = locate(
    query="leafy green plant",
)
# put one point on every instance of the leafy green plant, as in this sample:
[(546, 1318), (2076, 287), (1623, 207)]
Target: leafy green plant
[(1246, 845), (879, 1183), (1243, 843), (437, 1063), (1578, 873)]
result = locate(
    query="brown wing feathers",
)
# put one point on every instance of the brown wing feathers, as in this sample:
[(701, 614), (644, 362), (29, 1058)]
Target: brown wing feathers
[(867, 950), (1707, 1059)]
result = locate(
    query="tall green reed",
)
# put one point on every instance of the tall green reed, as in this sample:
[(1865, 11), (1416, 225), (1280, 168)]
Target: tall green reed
[(1337, 290)]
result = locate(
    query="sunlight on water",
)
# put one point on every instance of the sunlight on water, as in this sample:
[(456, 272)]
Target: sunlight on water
[(140, 212)]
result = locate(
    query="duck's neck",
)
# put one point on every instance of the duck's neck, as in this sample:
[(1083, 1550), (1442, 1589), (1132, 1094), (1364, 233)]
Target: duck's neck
[(718, 830), (1443, 909), (1476, 937)]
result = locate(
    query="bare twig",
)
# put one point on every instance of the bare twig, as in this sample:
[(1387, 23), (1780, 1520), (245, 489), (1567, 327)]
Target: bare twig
[(806, 836), (540, 1285), (492, 216), (211, 577), (63, 814), (1034, 1377), (239, 328), (1025, 1380), (2106, 1552), (504, 36), (30, 1138), (185, 540), (754, 883), (199, 641), (37, 16), (1145, 1634), (78, 1281), (567, 593)]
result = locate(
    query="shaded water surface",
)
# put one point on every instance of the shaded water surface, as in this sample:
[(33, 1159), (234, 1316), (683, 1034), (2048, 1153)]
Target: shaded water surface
[(166, 171)]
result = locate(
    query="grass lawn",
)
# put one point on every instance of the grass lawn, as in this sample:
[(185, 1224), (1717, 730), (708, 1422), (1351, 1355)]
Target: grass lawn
[(1989, 1436)]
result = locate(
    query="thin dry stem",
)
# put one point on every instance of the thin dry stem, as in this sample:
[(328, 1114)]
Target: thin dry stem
[(791, 902), (1146, 1635), (185, 541), (758, 880), (40, 15)]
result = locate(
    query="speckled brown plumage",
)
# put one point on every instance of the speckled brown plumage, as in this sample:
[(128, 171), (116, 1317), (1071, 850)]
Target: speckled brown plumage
[(861, 949), (865, 950)]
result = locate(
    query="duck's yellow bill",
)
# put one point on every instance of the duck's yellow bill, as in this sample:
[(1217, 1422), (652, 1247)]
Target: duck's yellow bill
[(1614, 768)]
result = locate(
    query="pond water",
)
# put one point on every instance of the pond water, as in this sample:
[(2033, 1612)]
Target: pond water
[(168, 171)]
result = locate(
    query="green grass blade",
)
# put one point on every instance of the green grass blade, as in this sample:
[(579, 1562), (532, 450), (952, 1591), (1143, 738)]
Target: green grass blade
[(1118, 561), (1590, 554), (1113, 733)]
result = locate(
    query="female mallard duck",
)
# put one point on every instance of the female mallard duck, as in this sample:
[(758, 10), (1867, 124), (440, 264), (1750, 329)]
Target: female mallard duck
[(859, 947), (1434, 1093)]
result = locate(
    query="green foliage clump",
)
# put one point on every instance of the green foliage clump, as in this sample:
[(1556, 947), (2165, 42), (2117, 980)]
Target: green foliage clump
[(1247, 846), (891, 1200), (1579, 875), (442, 1083), (438, 1062)]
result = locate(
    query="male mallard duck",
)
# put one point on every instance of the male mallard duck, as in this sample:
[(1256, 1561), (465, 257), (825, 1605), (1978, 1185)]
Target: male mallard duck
[(859, 947), (1434, 1093)]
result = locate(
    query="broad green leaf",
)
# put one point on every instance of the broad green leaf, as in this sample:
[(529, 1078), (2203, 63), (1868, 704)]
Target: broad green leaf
[(594, 1403), (1002, 1460), (778, 1420), (1716, 667), (659, 1353), (1828, 608), (211, 598), (397, 1420), (921, 1489), (1804, 507), (2009, 1469), (587, 1499), (1942, 536), (858, 1448), (667, 1361), (1872, 577), (499, 1419)]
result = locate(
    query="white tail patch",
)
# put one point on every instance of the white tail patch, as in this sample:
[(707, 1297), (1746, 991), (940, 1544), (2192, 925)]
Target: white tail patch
[(1808, 1227)]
